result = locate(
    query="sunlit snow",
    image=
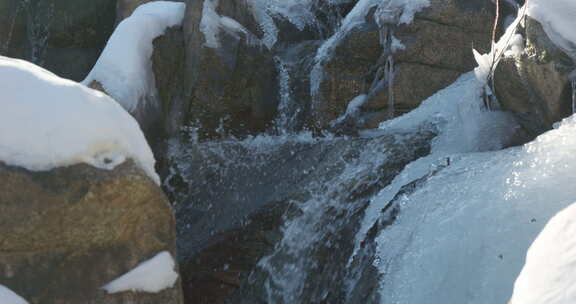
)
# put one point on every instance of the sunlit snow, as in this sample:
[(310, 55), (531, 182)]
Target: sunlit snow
[(48, 122), (125, 68), (153, 275), (548, 276)]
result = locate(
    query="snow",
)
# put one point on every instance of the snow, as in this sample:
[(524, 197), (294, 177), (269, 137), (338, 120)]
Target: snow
[(124, 68), (211, 24), (153, 275), (461, 237), (48, 122), (7, 296), (558, 18), (548, 276)]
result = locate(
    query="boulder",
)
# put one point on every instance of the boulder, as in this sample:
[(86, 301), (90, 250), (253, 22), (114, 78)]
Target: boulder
[(69, 231), (54, 33), (535, 85), (233, 86), (436, 50)]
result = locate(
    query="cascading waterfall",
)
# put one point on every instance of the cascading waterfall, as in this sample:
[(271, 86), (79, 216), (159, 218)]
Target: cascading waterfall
[(343, 183)]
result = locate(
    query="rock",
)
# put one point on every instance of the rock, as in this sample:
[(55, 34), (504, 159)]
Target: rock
[(535, 85), (69, 231), (54, 33), (231, 87), (437, 49)]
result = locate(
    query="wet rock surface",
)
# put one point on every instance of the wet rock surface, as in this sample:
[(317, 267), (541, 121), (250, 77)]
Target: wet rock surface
[(69, 231), (54, 33)]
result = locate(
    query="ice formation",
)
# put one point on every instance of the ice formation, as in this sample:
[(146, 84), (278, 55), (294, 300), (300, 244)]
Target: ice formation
[(48, 122), (461, 236), (124, 68), (153, 275)]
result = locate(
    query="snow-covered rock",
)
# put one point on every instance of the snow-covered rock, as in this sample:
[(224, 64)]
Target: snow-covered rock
[(7, 296), (549, 272), (124, 70), (48, 122), (153, 275)]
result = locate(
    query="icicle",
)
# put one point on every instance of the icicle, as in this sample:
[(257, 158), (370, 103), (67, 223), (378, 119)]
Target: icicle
[(387, 18), (390, 78)]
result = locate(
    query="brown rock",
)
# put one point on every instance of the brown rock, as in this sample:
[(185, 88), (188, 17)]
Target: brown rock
[(535, 85), (69, 231), (233, 86), (438, 49)]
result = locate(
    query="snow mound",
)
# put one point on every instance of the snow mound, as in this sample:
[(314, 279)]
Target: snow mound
[(7, 296), (48, 122), (153, 275), (548, 276), (124, 68)]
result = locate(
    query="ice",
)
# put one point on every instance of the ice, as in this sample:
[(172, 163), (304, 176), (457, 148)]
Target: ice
[(510, 44), (548, 274), (124, 68), (463, 127), (48, 122), (153, 275), (7, 296), (462, 236)]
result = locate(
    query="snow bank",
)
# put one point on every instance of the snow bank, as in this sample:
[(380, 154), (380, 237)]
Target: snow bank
[(48, 122), (124, 69), (153, 275), (462, 236), (7, 296), (548, 276), (558, 18)]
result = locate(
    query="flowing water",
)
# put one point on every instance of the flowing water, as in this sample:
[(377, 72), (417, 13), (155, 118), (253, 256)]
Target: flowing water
[(351, 208)]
